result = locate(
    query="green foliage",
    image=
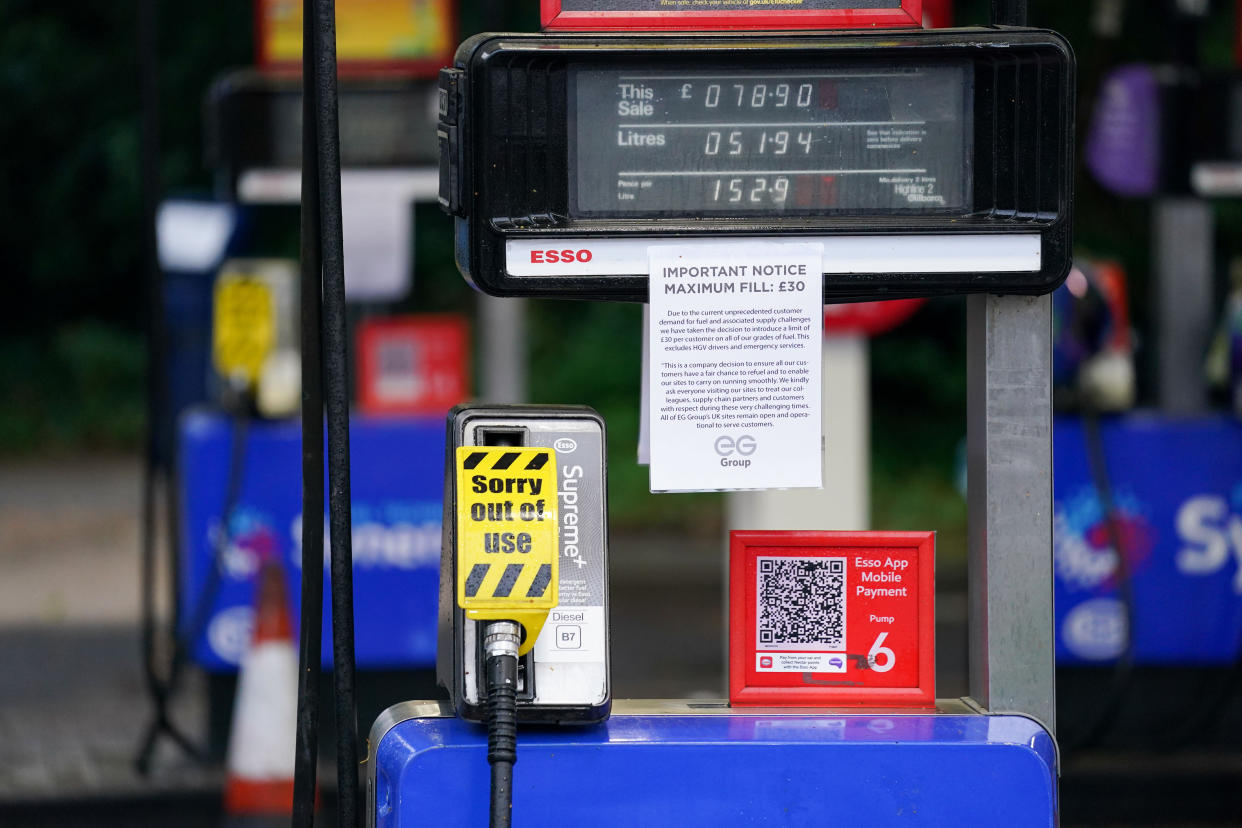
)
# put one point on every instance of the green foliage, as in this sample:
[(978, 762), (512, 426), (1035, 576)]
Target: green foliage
[(918, 402), (70, 231), (438, 286), (592, 354), (922, 499), (81, 388), (69, 128)]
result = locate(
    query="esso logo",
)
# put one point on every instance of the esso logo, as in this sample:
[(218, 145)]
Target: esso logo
[(560, 256), (1096, 630), (229, 633), (565, 445)]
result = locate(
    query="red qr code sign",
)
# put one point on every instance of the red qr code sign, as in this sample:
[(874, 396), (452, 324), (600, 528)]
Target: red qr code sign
[(824, 619), (413, 364)]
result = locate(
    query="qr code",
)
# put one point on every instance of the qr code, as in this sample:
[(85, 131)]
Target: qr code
[(801, 604), (398, 358)]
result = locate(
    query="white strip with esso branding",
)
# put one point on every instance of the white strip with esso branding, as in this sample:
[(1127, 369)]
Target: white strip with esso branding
[(946, 253)]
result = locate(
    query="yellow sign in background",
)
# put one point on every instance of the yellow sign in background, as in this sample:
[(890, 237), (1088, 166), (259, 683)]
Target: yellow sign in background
[(508, 543), (243, 325), (366, 30)]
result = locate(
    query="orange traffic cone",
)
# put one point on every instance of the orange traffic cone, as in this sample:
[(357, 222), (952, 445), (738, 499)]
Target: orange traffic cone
[(260, 757)]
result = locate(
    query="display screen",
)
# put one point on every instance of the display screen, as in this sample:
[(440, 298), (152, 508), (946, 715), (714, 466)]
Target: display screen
[(879, 139)]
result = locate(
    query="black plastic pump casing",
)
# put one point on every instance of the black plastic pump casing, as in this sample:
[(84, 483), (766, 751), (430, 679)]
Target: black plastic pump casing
[(506, 141), (577, 435)]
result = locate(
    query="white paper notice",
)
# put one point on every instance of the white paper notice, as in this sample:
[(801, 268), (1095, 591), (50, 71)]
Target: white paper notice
[(735, 351), (644, 397), (378, 236)]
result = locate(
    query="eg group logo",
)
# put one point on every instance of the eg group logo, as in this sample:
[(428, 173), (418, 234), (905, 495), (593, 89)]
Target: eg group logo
[(735, 452)]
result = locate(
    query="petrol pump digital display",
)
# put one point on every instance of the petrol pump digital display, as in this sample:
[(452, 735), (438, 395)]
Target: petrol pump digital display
[(881, 139), (924, 163)]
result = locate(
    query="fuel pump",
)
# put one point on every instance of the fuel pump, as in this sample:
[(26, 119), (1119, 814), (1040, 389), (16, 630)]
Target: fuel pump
[(921, 163), (256, 363), (525, 543), (563, 673)]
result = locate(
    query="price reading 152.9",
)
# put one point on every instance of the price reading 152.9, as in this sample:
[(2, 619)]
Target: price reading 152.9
[(750, 189)]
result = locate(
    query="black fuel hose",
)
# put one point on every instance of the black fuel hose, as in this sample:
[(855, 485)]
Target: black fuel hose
[(1102, 720), (160, 456), (185, 636), (154, 470), (310, 632), (500, 644), (501, 734), (325, 335), (336, 396)]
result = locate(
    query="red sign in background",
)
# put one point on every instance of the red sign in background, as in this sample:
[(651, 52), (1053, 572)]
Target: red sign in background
[(869, 318), (727, 15), (828, 619), (416, 364)]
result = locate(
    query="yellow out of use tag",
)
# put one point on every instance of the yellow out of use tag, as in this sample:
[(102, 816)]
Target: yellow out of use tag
[(508, 543), (243, 325)]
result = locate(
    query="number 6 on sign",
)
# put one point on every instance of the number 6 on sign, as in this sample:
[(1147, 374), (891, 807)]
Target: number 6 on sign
[(878, 649)]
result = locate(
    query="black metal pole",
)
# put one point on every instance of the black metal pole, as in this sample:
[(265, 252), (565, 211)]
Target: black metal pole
[(336, 381), (1009, 12), (148, 90), (157, 465), (310, 636)]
